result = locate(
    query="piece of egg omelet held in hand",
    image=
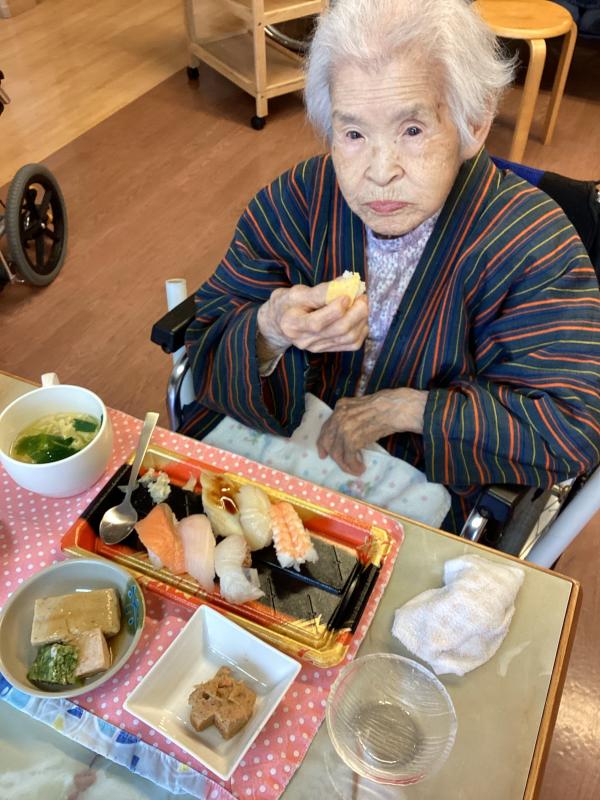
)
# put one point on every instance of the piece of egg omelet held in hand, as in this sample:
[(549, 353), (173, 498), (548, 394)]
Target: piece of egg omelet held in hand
[(349, 284)]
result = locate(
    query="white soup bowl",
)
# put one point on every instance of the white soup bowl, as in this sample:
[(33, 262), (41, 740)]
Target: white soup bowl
[(71, 475)]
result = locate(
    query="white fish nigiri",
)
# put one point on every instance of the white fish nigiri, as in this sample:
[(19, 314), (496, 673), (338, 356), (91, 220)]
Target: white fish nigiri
[(199, 549), (230, 555), (219, 504), (255, 516), (292, 541)]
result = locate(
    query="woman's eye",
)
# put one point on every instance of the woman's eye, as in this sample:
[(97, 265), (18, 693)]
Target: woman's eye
[(354, 135), (413, 130)]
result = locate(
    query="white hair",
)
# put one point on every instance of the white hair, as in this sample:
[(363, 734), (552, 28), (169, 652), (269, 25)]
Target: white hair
[(371, 33)]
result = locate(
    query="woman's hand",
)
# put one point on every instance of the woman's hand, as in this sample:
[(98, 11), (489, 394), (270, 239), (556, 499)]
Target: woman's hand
[(360, 421), (300, 316)]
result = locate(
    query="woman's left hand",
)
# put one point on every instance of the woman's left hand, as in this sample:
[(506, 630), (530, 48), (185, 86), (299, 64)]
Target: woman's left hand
[(360, 421)]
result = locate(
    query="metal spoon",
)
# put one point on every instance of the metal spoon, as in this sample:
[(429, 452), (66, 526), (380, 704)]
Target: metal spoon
[(117, 523)]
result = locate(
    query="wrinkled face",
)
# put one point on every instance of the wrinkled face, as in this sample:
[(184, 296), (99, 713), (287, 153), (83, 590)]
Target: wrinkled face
[(395, 149)]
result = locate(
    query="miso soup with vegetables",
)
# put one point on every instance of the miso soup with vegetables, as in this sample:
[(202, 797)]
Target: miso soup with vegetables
[(54, 437)]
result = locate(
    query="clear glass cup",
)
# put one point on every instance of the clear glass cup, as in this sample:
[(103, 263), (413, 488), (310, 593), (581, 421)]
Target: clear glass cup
[(390, 719)]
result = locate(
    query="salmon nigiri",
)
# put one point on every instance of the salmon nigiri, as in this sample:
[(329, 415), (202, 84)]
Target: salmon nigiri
[(158, 534)]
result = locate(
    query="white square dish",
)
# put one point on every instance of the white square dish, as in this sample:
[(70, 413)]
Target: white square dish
[(209, 641)]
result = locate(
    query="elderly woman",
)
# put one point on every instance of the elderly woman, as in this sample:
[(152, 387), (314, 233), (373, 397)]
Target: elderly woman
[(474, 353)]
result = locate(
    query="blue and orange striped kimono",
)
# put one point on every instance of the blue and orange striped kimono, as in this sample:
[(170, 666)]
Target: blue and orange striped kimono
[(500, 324)]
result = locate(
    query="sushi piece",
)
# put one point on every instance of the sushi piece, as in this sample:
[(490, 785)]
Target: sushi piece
[(158, 534), (255, 516), (198, 542), (219, 505), (231, 554), (291, 539)]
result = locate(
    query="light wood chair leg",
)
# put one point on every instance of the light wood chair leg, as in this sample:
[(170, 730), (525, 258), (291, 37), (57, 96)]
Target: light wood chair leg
[(262, 106), (260, 69), (566, 54), (537, 57)]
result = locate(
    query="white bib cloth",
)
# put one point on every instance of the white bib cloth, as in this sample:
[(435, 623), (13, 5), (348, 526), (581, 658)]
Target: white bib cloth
[(387, 481)]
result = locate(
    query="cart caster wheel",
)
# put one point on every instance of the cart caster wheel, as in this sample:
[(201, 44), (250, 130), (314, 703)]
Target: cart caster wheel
[(258, 123), (193, 73)]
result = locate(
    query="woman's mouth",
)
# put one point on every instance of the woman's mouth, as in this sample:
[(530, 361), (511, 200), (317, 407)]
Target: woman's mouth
[(386, 206)]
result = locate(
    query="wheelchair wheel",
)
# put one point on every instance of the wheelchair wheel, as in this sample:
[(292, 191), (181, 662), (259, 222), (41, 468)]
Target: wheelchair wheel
[(36, 224)]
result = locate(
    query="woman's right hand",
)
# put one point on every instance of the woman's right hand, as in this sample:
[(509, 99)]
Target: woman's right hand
[(300, 316)]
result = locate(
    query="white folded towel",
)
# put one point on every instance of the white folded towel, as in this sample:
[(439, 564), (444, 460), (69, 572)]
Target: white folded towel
[(460, 626)]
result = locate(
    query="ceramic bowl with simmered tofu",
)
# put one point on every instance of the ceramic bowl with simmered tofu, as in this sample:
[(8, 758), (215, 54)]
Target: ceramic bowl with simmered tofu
[(70, 627)]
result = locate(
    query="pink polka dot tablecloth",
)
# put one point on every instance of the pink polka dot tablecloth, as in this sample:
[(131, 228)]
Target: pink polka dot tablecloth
[(31, 528)]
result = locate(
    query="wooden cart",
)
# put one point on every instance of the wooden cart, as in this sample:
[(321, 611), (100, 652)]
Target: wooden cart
[(229, 36)]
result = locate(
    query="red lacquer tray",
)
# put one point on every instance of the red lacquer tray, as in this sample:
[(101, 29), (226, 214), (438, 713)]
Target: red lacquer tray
[(311, 615)]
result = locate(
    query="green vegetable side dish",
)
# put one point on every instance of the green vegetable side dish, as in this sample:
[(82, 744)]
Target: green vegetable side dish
[(55, 664), (54, 437), (84, 425), (42, 448)]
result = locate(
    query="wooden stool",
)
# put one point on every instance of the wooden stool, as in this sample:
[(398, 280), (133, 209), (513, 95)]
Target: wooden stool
[(533, 21)]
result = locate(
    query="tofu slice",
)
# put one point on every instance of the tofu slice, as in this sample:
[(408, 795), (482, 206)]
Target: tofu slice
[(49, 631), (57, 618), (94, 655)]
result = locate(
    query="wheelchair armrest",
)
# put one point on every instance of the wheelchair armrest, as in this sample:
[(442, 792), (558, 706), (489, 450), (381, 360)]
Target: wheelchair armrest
[(169, 331), (493, 508), (507, 517), (497, 502)]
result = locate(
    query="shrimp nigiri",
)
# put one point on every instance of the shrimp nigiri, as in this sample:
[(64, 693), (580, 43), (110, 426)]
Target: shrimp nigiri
[(199, 549), (158, 534), (291, 539), (255, 516), (219, 505), (230, 555)]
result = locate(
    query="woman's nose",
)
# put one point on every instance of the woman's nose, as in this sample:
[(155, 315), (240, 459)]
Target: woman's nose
[(384, 165)]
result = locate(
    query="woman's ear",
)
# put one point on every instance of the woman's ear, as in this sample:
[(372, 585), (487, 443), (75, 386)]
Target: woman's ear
[(479, 132)]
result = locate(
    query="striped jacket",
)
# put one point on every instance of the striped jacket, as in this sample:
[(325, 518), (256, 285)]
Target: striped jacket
[(500, 324)]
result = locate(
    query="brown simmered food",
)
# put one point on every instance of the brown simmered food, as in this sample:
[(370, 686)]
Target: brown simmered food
[(70, 630), (223, 702), (57, 618)]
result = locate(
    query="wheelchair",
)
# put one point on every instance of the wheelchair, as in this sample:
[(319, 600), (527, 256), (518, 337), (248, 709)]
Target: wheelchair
[(33, 223), (526, 522)]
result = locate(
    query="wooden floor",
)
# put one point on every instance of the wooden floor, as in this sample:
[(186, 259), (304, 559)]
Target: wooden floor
[(69, 64), (154, 190)]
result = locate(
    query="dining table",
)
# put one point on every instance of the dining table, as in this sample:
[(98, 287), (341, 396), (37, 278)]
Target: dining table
[(505, 708)]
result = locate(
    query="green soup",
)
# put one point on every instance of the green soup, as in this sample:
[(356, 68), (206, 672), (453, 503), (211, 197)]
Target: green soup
[(54, 437)]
